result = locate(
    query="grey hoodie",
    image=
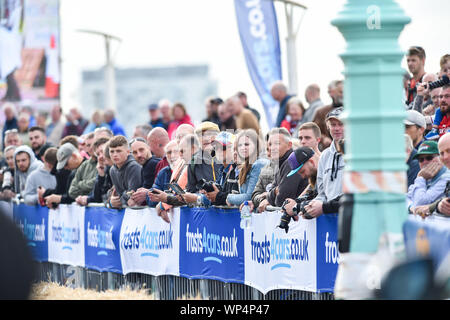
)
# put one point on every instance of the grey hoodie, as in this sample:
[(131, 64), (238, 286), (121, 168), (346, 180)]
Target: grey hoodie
[(330, 171), (127, 178), (20, 177), (39, 177)]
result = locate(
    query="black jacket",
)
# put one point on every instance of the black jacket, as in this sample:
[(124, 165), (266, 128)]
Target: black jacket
[(288, 187), (202, 166), (229, 183), (149, 172), (101, 187), (127, 178)]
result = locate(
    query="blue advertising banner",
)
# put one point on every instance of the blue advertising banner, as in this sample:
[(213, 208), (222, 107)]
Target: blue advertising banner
[(327, 251), (429, 237), (258, 30), (102, 232), (211, 244), (33, 221)]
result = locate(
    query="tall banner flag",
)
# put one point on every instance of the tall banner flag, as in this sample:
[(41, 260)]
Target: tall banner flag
[(258, 29)]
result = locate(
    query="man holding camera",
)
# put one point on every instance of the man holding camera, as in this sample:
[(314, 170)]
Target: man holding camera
[(330, 169), (283, 187), (303, 161)]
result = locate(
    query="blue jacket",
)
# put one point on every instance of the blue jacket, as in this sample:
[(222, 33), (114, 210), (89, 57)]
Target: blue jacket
[(424, 192), (413, 168), (161, 183), (282, 112), (116, 128), (247, 188)]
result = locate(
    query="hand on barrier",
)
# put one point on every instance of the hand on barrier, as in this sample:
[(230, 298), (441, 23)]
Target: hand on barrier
[(115, 200), (52, 201), (163, 214), (262, 206), (157, 195), (81, 200), (140, 196), (314, 208), (250, 205), (211, 195)]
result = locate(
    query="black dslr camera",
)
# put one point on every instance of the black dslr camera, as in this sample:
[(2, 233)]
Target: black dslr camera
[(299, 209), (208, 186)]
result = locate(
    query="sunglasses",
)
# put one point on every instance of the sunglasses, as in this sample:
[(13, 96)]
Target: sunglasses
[(428, 158), (11, 131), (137, 139)]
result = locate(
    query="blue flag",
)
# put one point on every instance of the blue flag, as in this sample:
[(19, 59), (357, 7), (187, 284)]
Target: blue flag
[(258, 29)]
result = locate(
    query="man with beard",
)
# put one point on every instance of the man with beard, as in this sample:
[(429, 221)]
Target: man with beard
[(336, 92), (444, 102), (38, 141), (141, 153)]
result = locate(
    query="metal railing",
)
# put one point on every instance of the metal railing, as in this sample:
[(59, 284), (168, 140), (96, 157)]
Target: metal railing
[(164, 287)]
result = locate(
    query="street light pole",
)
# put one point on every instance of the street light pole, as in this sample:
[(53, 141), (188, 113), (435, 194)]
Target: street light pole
[(110, 78), (375, 171), (291, 39)]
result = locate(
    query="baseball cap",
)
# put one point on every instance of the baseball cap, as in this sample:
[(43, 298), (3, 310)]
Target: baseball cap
[(427, 147), (153, 106), (207, 125), (298, 158), (63, 154), (225, 138), (335, 113), (414, 117)]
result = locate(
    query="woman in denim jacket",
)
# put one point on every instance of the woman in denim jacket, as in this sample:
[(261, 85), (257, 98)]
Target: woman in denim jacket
[(248, 147)]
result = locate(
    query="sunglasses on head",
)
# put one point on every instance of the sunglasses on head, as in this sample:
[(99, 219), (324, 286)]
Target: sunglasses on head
[(428, 158)]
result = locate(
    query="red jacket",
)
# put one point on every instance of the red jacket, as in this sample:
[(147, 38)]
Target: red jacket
[(444, 125), (173, 125)]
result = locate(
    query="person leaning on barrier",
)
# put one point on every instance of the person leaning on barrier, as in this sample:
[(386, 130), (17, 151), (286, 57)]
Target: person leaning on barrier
[(442, 205), (69, 158), (265, 180), (103, 180), (86, 175), (188, 146), (25, 164), (164, 177), (202, 165), (283, 187), (249, 148), (432, 178), (303, 161), (125, 173), (142, 154), (7, 176), (41, 178), (330, 169), (170, 174), (227, 183)]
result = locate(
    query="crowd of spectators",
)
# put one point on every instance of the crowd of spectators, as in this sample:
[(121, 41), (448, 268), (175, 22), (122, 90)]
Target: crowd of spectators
[(226, 160)]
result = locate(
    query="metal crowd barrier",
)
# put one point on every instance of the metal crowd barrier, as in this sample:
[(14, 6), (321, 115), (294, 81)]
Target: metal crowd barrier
[(164, 287)]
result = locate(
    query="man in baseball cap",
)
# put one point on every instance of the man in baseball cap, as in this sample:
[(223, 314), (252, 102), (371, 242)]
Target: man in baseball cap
[(68, 158), (63, 155), (298, 158), (415, 125)]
